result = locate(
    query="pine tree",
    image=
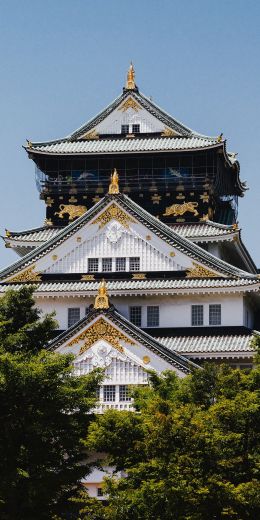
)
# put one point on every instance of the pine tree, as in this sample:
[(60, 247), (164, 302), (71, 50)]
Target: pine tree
[(44, 413)]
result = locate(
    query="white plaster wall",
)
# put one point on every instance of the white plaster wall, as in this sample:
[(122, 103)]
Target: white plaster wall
[(175, 311), (112, 123), (248, 314), (75, 260), (215, 249)]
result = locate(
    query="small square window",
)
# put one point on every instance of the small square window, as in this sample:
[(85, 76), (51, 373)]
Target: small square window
[(215, 314), (109, 393), (73, 316), (134, 263), (153, 316), (196, 315), (136, 129), (120, 264), (124, 393), (107, 265), (136, 315), (125, 129), (99, 492), (93, 265)]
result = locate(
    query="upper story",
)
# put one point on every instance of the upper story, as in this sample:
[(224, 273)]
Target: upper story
[(175, 173)]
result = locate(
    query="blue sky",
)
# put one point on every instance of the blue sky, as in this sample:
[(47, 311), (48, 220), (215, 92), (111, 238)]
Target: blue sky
[(62, 61)]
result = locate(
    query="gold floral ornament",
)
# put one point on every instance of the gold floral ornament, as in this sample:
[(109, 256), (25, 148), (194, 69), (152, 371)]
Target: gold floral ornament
[(29, 275), (130, 103), (198, 271), (130, 81), (101, 300), (101, 330), (114, 186), (113, 212)]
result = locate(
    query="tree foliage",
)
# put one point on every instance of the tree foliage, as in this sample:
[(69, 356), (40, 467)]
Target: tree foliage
[(44, 413), (190, 453)]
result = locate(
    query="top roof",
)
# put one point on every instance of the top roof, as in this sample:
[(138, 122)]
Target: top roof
[(135, 108)]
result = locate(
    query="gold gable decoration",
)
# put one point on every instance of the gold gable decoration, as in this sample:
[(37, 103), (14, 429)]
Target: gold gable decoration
[(92, 135), (101, 329), (116, 213), (101, 300), (29, 275), (114, 186), (130, 103), (168, 132), (198, 271)]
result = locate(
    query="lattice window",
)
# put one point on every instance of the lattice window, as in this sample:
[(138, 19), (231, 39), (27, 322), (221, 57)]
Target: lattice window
[(109, 393), (215, 314), (136, 129), (100, 492), (120, 264), (136, 315), (134, 263), (107, 265), (73, 316), (197, 315), (153, 316), (124, 129), (124, 394), (93, 265)]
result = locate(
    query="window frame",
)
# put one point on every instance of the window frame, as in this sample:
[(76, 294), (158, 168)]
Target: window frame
[(198, 307), (132, 309), (132, 260), (105, 259), (211, 318), (111, 390), (150, 318), (90, 269), (117, 263), (124, 396), (136, 128), (125, 129), (71, 321)]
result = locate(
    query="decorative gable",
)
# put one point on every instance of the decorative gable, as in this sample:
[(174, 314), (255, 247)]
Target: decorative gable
[(114, 228), (107, 341)]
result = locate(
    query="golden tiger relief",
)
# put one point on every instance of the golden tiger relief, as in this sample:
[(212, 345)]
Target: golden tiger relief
[(71, 210), (180, 209)]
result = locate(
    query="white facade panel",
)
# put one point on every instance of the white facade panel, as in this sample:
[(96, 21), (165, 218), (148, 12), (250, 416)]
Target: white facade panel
[(174, 311)]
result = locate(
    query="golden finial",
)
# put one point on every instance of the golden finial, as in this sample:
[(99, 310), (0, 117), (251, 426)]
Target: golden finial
[(219, 138), (113, 186), (130, 82), (7, 233), (29, 143), (101, 300)]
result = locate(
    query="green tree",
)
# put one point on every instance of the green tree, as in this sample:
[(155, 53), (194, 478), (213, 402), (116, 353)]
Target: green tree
[(44, 412), (191, 452)]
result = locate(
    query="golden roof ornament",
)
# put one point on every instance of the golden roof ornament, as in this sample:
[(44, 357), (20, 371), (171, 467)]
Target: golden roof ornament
[(220, 138), (130, 82), (113, 186), (101, 300)]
